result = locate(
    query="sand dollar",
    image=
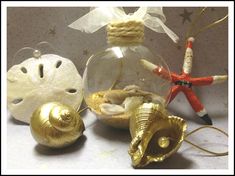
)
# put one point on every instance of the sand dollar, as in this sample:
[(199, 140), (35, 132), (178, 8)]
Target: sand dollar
[(36, 81)]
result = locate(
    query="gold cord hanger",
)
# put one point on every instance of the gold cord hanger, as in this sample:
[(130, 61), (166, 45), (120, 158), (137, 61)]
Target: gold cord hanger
[(210, 25), (203, 149), (83, 109), (192, 26)]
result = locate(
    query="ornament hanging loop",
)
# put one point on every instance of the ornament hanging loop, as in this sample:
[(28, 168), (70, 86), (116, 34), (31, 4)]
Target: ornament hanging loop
[(19, 51), (41, 48), (203, 149), (190, 31), (48, 47)]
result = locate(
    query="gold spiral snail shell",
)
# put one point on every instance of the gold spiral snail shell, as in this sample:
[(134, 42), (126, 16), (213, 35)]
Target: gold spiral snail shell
[(56, 125), (155, 134)]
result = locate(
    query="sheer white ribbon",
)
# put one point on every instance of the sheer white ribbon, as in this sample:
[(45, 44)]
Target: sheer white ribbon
[(152, 17)]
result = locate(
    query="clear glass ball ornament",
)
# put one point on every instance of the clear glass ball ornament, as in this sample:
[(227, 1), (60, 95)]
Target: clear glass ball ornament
[(116, 82)]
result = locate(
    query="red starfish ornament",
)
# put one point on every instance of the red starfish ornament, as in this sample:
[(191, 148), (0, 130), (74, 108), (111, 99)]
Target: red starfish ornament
[(184, 81)]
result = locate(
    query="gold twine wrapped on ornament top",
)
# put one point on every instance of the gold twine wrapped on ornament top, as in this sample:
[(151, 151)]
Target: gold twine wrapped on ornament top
[(125, 32)]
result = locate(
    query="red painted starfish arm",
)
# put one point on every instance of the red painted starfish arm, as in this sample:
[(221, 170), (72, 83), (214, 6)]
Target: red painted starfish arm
[(203, 81), (160, 71), (173, 92)]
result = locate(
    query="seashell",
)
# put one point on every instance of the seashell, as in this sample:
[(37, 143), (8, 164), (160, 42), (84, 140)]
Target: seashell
[(154, 98), (111, 109), (155, 134), (127, 99), (39, 80), (116, 96), (132, 88), (118, 121), (131, 103), (56, 125)]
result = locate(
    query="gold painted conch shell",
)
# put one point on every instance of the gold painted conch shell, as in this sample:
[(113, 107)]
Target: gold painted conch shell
[(56, 125), (155, 134)]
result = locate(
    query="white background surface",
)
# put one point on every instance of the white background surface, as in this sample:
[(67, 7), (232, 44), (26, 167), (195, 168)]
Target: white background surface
[(103, 147)]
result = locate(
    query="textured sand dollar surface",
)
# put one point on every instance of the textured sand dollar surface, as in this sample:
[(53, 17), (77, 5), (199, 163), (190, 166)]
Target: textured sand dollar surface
[(39, 80)]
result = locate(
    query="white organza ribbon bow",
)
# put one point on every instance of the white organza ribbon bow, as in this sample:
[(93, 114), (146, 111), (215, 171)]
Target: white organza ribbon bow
[(152, 17)]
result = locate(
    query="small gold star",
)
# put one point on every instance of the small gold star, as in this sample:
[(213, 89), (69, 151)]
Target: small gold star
[(179, 47), (186, 16), (85, 52), (142, 79), (52, 31)]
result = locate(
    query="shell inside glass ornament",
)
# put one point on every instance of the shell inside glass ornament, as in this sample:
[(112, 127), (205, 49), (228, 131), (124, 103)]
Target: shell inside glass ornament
[(42, 79), (116, 83)]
